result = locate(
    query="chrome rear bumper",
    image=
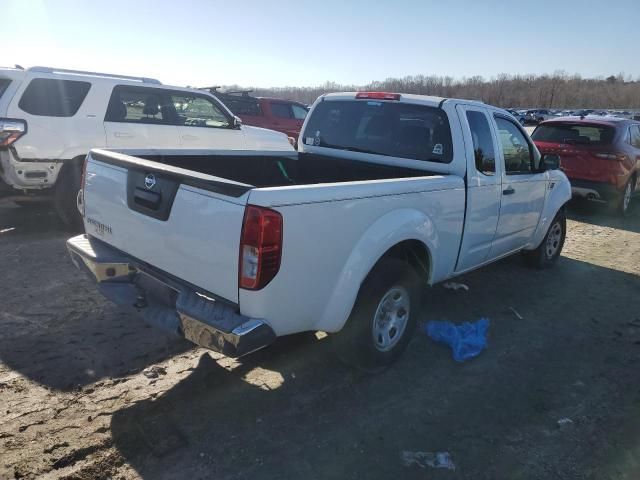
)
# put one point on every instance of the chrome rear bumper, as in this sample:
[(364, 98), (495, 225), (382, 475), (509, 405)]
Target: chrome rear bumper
[(167, 302)]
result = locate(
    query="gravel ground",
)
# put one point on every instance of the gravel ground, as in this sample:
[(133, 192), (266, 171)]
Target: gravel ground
[(87, 390)]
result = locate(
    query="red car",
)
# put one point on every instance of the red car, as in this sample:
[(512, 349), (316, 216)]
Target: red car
[(600, 155), (284, 116)]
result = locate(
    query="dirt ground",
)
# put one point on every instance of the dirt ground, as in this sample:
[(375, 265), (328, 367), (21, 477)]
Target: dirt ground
[(87, 390)]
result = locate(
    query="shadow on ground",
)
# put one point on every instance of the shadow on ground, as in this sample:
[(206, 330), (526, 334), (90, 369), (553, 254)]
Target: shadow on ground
[(303, 415), (55, 328), (599, 214)]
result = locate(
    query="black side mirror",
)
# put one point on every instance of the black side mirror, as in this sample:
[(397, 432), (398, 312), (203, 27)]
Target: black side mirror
[(550, 161)]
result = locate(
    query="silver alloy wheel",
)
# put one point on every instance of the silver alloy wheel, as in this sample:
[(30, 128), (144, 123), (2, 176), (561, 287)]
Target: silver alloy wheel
[(626, 200), (553, 240), (391, 317)]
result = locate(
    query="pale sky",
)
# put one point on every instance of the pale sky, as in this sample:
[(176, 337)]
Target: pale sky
[(306, 43)]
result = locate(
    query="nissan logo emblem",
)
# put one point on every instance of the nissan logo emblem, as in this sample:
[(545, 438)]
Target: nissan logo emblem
[(150, 181)]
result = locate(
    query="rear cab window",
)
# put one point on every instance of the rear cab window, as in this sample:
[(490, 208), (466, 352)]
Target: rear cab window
[(53, 98), (390, 128), (574, 133)]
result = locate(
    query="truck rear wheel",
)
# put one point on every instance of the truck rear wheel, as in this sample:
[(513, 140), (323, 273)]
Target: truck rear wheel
[(383, 318), (65, 196), (548, 252)]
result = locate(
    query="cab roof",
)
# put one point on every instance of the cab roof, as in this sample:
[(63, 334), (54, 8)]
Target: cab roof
[(428, 100)]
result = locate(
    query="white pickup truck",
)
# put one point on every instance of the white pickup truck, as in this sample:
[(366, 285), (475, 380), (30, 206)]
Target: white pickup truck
[(387, 191)]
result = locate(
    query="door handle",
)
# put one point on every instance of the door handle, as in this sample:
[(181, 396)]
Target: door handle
[(189, 137), (508, 191), (122, 135)]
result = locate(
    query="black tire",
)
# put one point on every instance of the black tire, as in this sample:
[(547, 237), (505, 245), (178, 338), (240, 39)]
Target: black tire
[(355, 343), (548, 252), (65, 195), (623, 205)]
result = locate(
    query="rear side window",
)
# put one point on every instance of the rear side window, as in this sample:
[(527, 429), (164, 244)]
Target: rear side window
[(299, 113), (417, 132), (4, 84), (574, 133), (138, 105), (281, 110), (242, 105), (482, 142), (54, 98)]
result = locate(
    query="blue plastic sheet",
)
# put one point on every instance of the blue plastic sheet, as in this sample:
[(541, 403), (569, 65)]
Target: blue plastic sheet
[(466, 340)]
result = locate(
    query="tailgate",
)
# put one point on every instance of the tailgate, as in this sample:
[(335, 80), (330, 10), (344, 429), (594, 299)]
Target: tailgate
[(183, 222)]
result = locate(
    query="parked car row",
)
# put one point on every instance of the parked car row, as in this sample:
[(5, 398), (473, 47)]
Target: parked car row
[(535, 116)]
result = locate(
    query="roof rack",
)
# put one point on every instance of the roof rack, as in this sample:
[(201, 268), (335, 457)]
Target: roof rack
[(244, 93), (96, 74)]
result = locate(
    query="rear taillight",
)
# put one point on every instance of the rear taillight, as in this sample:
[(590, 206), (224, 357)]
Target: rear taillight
[(378, 95), (11, 130), (260, 247)]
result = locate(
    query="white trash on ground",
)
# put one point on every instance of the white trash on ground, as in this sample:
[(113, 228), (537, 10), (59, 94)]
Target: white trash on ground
[(428, 459), (455, 286), (563, 422)]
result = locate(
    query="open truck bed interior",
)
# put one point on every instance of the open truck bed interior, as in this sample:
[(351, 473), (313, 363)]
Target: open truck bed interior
[(281, 170)]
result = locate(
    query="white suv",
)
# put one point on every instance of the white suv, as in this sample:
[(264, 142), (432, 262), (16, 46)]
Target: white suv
[(50, 119)]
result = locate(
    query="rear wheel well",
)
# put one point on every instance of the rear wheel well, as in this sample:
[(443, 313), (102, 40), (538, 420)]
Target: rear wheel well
[(415, 254)]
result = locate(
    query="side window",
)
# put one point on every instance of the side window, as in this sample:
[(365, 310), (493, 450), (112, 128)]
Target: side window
[(242, 106), (635, 136), (281, 110), (53, 98), (138, 105), (482, 142), (518, 153), (196, 111), (299, 113)]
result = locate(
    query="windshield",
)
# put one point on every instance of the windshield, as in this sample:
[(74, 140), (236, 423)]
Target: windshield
[(574, 133), (383, 128)]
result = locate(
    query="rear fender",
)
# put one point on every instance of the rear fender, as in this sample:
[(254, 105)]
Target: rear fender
[(559, 193), (389, 230)]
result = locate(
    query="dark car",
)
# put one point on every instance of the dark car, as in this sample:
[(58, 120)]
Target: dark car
[(601, 156)]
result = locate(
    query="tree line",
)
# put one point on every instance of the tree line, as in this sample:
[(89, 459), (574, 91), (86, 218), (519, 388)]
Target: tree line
[(557, 91)]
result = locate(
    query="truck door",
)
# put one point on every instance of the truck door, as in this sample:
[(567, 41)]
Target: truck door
[(523, 188), (484, 186), (139, 117), (203, 123)]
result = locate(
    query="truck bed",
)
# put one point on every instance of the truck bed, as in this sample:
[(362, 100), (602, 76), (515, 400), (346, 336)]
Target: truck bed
[(261, 170), (182, 212)]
